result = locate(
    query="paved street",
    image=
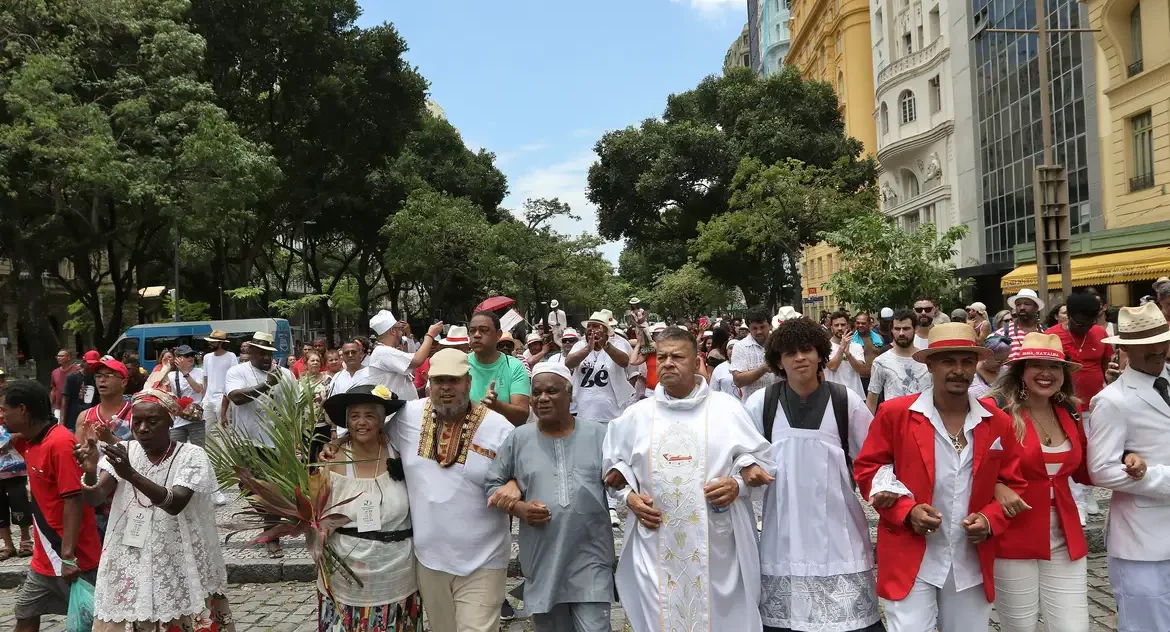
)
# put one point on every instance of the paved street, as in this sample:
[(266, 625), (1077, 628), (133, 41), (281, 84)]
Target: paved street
[(292, 606)]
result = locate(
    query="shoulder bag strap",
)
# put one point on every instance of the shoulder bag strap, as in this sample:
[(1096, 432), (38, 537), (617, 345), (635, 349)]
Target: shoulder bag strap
[(771, 402), (839, 397)]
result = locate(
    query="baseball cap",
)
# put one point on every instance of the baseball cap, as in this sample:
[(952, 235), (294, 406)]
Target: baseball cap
[(184, 351), (887, 313), (449, 363), (91, 357), (110, 363)]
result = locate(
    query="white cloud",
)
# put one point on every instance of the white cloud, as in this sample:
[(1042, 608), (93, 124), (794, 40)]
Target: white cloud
[(511, 154), (566, 181)]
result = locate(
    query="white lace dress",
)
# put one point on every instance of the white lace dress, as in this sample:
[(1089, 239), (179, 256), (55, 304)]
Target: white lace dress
[(181, 562)]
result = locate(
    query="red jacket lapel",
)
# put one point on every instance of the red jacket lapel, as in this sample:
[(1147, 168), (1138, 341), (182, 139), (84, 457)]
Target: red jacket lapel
[(924, 435)]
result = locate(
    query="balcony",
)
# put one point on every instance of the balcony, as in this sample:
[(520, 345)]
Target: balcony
[(1134, 68), (926, 198), (1144, 181), (909, 63)]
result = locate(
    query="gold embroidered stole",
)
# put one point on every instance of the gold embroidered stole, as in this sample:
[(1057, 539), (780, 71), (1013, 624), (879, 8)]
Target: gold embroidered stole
[(435, 443)]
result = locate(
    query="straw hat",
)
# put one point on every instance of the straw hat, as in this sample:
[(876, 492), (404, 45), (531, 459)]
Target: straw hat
[(951, 337), (217, 335), (456, 335), (262, 340), (601, 318), (1143, 325), (1038, 346)]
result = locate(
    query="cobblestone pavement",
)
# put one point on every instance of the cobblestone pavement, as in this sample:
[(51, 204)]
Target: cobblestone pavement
[(288, 607)]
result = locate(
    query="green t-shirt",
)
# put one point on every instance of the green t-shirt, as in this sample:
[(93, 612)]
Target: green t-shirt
[(509, 374)]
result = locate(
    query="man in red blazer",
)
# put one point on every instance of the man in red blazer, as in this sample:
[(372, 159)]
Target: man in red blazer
[(929, 466)]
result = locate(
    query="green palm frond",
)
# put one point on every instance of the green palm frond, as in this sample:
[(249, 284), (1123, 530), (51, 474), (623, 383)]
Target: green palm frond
[(280, 480)]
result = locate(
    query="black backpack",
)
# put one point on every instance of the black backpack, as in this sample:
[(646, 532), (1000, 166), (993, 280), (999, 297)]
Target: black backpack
[(838, 398)]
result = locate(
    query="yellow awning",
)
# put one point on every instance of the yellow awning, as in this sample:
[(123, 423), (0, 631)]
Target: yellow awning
[(1105, 269)]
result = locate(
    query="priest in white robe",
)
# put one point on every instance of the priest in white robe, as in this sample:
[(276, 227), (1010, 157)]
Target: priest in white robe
[(683, 462)]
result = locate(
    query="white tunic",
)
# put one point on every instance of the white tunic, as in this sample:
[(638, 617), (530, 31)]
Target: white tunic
[(815, 552), (181, 562), (700, 570)]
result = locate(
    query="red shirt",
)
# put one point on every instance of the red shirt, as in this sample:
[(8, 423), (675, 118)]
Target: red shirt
[(421, 373), (1092, 354), (651, 372), (298, 367), (53, 475), (57, 381)]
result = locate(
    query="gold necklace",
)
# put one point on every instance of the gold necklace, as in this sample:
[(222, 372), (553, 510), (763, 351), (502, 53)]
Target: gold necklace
[(957, 440)]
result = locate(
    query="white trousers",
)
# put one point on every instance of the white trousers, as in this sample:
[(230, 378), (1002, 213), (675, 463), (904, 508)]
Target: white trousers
[(1055, 589), (1142, 590), (927, 608)]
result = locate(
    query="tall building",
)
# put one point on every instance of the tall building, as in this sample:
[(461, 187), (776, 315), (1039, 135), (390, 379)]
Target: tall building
[(1006, 83), (775, 39), (830, 41), (756, 62), (1127, 245), (739, 53), (919, 145)]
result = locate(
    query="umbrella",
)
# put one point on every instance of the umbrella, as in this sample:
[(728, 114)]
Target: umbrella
[(495, 303)]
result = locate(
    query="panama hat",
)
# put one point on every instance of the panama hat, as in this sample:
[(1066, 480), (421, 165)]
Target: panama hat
[(657, 328), (978, 308), (217, 335), (634, 300), (1027, 293), (601, 318), (262, 340), (533, 337), (554, 304), (951, 337), (456, 335), (378, 394), (1040, 346), (570, 333), (1143, 325)]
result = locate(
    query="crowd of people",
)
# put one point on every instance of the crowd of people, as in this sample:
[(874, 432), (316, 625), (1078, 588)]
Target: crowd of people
[(735, 454)]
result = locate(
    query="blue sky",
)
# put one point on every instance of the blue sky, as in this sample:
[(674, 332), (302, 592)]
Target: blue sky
[(539, 81)]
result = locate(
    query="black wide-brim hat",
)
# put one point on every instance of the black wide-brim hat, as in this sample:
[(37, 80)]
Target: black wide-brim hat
[(336, 405)]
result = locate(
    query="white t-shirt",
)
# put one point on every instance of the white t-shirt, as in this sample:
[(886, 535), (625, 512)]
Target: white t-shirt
[(246, 417), (391, 368), (185, 390), (723, 381), (920, 342), (894, 376), (601, 388), (846, 375), (455, 531), (215, 368)]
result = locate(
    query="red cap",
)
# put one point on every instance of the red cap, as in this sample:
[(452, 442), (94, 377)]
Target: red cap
[(111, 364), (92, 357)]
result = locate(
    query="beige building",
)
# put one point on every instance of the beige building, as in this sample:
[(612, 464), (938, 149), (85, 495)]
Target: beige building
[(831, 41), (739, 54)]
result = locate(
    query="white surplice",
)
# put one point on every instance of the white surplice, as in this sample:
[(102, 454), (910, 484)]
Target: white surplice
[(700, 570), (816, 556)]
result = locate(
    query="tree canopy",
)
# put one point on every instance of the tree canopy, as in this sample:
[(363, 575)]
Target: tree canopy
[(888, 266)]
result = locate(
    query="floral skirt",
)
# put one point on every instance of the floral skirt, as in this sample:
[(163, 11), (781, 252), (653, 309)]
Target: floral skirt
[(403, 616), (216, 617)]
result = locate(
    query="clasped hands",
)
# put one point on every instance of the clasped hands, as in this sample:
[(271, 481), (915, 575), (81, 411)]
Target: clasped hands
[(720, 492)]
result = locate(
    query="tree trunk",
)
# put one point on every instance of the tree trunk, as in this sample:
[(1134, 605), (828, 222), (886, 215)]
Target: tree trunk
[(33, 306), (363, 290)]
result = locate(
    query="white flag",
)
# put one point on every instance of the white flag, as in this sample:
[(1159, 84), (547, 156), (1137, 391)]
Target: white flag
[(510, 320)]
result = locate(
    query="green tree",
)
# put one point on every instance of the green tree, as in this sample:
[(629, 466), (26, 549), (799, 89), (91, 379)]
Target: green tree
[(654, 184), (108, 139), (775, 211), (887, 266), (439, 242), (688, 291)]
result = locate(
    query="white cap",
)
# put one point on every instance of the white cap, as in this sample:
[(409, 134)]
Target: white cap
[(382, 322), (552, 367), (887, 313)]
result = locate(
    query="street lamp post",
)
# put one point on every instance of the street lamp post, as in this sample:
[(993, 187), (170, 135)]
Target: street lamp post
[(1050, 180)]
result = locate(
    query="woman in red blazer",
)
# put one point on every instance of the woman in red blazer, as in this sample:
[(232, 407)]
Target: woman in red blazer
[(1040, 558)]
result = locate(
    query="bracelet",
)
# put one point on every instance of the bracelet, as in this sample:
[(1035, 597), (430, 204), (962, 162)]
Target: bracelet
[(167, 501), (88, 488), (66, 562)]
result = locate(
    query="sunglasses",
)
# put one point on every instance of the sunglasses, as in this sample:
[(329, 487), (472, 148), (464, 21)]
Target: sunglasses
[(923, 310)]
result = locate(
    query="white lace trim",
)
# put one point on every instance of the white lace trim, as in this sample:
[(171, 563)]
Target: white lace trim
[(885, 481), (836, 603)]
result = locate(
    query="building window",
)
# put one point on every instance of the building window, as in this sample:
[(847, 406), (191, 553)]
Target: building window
[(747, 61), (1135, 39), (909, 184), (884, 116), (935, 24), (840, 85), (935, 94), (906, 105), (1143, 152), (907, 44)]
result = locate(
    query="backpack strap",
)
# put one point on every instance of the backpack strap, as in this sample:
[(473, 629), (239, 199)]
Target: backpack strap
[(839, 398), (771, 403)]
